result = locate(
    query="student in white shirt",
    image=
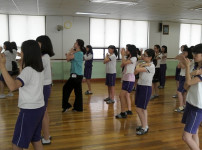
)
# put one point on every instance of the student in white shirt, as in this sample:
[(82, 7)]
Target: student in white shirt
[(163, 67), (110, 61), (31, 100), (192, 116), (128, 79), (47, 52)]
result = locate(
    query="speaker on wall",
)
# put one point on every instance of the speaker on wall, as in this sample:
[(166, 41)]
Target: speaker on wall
[(160, 27)]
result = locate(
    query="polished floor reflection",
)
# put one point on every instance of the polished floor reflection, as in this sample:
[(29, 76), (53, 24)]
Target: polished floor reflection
[(96, 128)]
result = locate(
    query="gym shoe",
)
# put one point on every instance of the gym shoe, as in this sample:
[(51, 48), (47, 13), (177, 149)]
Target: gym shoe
[(179, 109), (88, 93), (152, 97), (175, 96), (110, 101), (121, 115), (142, 131), (2, 96), (45, 142), (138, 128), (129, 112), (50, 137), (161, 87), (107, 99), (10, 94)]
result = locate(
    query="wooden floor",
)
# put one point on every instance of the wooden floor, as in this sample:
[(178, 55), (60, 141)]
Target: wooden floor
[(96, 128)]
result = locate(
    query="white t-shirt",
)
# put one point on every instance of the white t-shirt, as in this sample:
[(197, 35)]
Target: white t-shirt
[(111, 65), (129, 69), (31, 92), (47, 69), (163, 60), (88, 57), (14, 55), (159, 61), (145, 78), (194, 95), (182, 71), (9, 59)]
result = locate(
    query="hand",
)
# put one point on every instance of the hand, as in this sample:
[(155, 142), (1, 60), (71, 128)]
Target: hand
[(196, 72), (123, 52), (141, 51), (2, 61), (185, 61), (107, 55)]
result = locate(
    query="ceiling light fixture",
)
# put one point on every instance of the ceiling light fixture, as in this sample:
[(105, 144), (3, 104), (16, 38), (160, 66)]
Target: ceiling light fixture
[(114, 2), (88, 13)]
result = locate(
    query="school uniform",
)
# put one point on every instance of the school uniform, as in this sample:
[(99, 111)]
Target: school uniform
[(88, 65), (31, 104), (156, 77), (192, 116), (74, 82), (15, 70), (111, 71), (47, 78), (128, 75), (163, 68), (144, 87)]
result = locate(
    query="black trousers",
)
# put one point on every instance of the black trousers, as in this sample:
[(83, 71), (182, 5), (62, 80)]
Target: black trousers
[(73, 83)]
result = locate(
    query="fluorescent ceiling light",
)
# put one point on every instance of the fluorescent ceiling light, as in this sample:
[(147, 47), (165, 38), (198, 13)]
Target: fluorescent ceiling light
[(114, 2), (96, 14)]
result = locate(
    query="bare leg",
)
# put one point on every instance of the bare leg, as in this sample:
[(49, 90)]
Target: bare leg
[(180, 98), (122, 97), (88, 83), (184, 98), (15, 147), (45, 125), (196, 138), (112, 92), (37, 145), (142, 117), (109, 92), (189, 140), (128, 101), (156, 85)]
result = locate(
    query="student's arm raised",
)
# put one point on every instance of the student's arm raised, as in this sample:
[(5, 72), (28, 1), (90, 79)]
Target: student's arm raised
[(11, 83)]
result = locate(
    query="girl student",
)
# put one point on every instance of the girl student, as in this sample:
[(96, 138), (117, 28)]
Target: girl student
[(110, 61), (156, 78), (177, 72), (88, 57), (31, 100), (75, 56), (192, 116), (181, 92), (163, 67), (9, 58), (144, 89), (47, 52), (15, 69), (128, 79)]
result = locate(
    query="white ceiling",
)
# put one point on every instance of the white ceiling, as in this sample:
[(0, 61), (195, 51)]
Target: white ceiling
[(163, 10)]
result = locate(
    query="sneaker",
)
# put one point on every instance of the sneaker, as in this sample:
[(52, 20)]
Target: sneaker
[(155, 96), (129, 112), (50, 137), (175, 96), (179, 109), (88, 93), (2, 96), (45, 142), (10, 94), (142, 131), (152, 97), (110, 101), (107, 99), (75, 110), (161, 87), (121, 115), (138, 128)]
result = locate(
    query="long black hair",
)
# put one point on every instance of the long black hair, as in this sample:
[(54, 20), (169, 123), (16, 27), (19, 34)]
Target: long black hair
[(132, 50), (90, 51), (32, 55), (189, 51), (81, 45), (158, 47), (114, 48), (151, 53), (7, 44), (197, 49), (46, 45), (14, 46), (165, 48)]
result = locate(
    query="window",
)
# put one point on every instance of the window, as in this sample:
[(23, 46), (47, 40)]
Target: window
[(23, 28), (190, 34), (3, 29)]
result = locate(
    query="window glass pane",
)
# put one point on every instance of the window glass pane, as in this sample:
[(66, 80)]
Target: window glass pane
[(185, 34), (111, 32), (23, 28), (98, 53), (195, 35), (97, 32), (3, 29)]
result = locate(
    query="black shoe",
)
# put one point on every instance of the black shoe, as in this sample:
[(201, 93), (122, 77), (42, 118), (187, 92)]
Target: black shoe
[(138, 128), (76, 110), (142, 131), (129, 112), (121, 115)]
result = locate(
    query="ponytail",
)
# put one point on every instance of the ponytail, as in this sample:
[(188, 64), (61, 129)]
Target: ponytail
[(114, 48), (81, 45)]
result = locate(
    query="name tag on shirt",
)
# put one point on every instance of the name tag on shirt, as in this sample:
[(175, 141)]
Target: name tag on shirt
[(73, 75)]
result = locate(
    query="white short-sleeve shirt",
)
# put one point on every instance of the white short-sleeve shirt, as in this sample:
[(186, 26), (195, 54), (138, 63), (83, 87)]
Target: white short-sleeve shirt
[(145, 78), (31, 92), (182, 71), (159, 61), (9, 59), (88, 57), (111, 65), (129, 69), (163, 60), (47, 69)]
